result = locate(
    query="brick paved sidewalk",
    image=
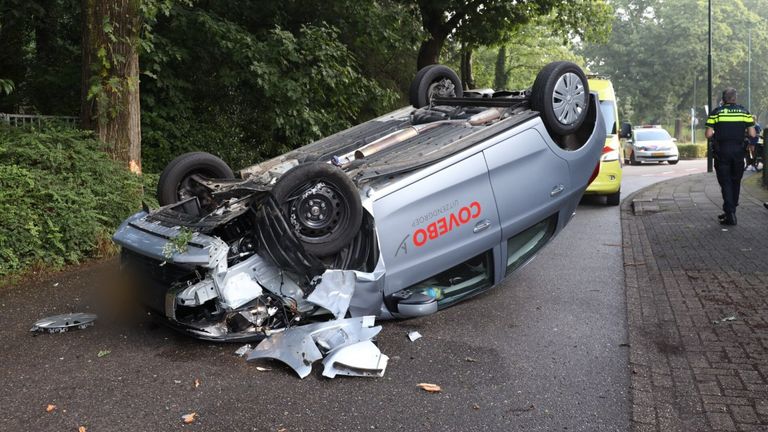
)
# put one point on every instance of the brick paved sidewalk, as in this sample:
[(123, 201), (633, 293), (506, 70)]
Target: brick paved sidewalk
[(697, 306)]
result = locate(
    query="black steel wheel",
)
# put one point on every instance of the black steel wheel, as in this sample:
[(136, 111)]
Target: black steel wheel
[(321, 204)]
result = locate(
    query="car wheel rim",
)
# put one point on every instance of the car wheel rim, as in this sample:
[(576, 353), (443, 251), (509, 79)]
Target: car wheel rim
[(569, 99), (441, 88), (318, 213)]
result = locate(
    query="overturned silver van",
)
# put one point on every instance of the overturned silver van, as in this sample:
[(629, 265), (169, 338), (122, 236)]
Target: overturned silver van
[(397, 217)]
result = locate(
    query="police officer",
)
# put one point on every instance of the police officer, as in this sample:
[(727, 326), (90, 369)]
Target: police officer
[(726, 125)]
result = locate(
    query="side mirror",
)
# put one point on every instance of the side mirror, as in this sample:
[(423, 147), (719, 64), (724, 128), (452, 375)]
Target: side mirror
[(626, 130)]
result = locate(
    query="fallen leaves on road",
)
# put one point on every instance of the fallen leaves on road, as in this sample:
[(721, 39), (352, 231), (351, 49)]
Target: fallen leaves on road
[(103, 353), (82, 429), (197, 383), (189, 418), (50, 408), (432, 388)]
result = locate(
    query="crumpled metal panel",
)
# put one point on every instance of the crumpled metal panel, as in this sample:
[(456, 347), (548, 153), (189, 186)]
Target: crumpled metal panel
[(334, 291), (362, 359), (298, 346)]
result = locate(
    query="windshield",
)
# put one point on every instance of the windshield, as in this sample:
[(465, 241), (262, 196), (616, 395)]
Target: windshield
[(608, 110), (652, 135)]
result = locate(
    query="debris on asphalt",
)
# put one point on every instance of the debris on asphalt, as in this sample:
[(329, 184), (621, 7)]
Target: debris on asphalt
[(262, 369), (431, 388), (475, 406), (243, 350), (726, 319), (414, 335), (82, 429), (64, 322), (56, 284), (50, 408), (103, 353), (189, 418), (197, 383), (361, 359), (470, 359), (341, 340)]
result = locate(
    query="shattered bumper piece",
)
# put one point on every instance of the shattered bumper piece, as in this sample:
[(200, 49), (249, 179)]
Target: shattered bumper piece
[(62, 323), (362, 359), (299, 347)]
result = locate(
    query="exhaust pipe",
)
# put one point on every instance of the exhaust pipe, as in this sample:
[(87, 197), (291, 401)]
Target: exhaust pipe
[(412, 131)]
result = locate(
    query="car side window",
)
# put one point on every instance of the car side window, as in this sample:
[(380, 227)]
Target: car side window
[(526, 243), (458, 281)]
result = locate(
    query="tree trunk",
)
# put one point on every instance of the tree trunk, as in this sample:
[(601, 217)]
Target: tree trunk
[(467, 78), (429, 53), (501, 75), (110, 88)]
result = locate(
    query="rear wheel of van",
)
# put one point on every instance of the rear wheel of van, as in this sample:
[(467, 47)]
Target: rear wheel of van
[(560, 94)]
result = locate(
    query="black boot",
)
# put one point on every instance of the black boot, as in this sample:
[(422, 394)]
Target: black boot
[(729, 219)]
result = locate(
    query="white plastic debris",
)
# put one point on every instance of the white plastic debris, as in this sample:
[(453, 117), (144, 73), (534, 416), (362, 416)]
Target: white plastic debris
[(243, 350), (64, 322), (726, 319), (414, 335)]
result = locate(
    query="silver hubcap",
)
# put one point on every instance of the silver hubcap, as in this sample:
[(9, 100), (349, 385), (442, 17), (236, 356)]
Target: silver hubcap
[(569, 98)]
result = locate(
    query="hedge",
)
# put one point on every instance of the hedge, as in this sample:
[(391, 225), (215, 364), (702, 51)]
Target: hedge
[(61, 198), (692, 151)]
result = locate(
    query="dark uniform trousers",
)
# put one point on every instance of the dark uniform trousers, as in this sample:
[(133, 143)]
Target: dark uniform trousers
[(729, 167)]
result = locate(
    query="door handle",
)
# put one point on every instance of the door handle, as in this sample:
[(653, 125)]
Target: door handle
[(482, 225), (557, 189)]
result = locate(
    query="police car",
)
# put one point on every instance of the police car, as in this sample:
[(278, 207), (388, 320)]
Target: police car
[(651, 143)]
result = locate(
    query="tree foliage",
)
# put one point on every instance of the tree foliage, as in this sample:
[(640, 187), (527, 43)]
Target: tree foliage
[(488, 22), (213, 84), (657, 53)]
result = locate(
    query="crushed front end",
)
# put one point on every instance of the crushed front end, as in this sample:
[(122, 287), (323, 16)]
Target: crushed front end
[(235, 271)]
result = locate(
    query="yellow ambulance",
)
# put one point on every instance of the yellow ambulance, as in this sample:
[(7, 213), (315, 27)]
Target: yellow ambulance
[(608, 181)]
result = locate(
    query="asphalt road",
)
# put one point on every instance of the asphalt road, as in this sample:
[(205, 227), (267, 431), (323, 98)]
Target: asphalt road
[(543, 351)]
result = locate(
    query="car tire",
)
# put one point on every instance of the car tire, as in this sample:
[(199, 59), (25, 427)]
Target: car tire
[(321, 204), (672, 162), (431, 81), (613, 199), (561, 83), (171, 187)]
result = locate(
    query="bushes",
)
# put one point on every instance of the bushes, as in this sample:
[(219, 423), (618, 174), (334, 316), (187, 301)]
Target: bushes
[(692, 151), (61, 198)]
